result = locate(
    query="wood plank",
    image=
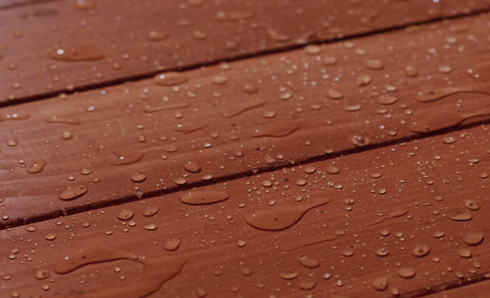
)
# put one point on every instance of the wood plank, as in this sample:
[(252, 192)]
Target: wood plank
[(237, 118), (391, 221), (475, 290), (117, 44), (7, 4)]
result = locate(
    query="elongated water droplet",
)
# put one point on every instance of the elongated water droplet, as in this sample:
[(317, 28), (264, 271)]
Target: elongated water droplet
[(189, 127), (204, 197), (76, 53), (280, 218), (15, 116), (36, 167), (276, 130), (127, 157), (243, 107), (72, 193), (170, 79)]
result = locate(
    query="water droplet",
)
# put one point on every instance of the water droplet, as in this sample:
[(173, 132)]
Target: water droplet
[(313, 49), (250, 89), (276, 130), (406, 272), (460, 216), (156, 35), (41, 274), (308, 262), (73, 193), (172, 244), (280, 218), (243, 107), (138, 177), (464, 253), (374, 64), (288, 275), (170, 78), (31, 228), (55, 119), (66, 135), (307, 285), (192, 167), (380, 283), (150, 211), (233, 16), (334, 94), (50, 237), (381, 252), (360, 141), (84, 4), (329, 60), (471, 205), (473, 238), (150, 227), (125, 214), (36, 167), (445, 69), (76, 53), (189, 127), (393, 214), (127, 157), (364, 80), (411, 71), (15, 116), (181, 105), (431, 93), (204, 197), (386, 99), (420, 250)]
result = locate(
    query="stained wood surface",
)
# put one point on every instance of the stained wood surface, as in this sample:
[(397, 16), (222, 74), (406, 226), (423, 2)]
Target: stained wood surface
[(476, 290), (120, 40), (401, 220), (7, 4), (239, 117)]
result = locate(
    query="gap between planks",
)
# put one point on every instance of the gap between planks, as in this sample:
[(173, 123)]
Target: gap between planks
[(148, 75)]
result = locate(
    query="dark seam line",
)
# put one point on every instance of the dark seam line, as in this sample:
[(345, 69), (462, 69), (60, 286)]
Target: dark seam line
[(451, 285), (148, 75), (226, 178)]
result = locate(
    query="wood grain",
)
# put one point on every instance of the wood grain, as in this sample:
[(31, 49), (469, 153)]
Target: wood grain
[(476, 290), (405, 214), (196, 33), (7, 4), (236, 118)]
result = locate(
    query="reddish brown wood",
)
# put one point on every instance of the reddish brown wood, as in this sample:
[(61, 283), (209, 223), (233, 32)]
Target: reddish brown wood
[(198, 32), (6, 4), (235, 118), (476, 290), (413, 210)]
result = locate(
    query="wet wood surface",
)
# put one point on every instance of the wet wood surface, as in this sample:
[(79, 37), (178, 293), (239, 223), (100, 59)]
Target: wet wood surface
[(81, 151), (70, 45), (353, 168), (403, 220)]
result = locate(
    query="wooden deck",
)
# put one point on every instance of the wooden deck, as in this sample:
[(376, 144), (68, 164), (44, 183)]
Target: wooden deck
[(244, 148)]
